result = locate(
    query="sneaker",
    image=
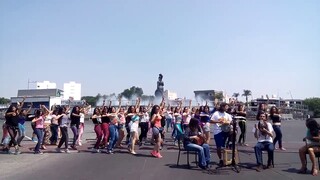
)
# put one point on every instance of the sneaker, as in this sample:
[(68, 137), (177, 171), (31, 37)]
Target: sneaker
[(159, 155), (133, 152), (110, 152), (96, 150), (269, 166), (80, 144), (17, 152), (67, 151), (154, 153), (283, 149), (276, 148), (59, 150), (43, 147), (38, 152), (74, 148), (259, 168)]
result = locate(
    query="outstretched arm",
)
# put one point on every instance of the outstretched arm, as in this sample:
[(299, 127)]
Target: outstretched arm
[(117, 111), (138, 104)]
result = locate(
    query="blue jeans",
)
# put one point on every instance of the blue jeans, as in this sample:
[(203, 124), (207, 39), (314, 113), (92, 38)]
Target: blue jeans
[(203, 153), (75, 132), (114, 135), (21, 132), (168, 123), (277, 130), (54, 132), (263, 146), (39, 133)]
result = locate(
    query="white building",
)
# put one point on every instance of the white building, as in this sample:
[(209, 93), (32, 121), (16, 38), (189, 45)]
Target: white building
[(46, 85), (170, 95), (72, 90)]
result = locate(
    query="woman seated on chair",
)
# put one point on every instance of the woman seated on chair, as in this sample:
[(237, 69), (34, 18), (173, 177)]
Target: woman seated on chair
[(312, 146), (194, 141)]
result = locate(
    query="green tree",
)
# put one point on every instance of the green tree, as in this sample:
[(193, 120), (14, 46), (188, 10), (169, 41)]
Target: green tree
[(219, 96), (133, 91), (246, 93), (4, 100), (313, 105), (92, 100)]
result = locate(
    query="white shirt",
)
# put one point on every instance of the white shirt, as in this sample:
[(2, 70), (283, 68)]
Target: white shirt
[(145, 117), (267, 138), (81, 118), (215, 117)]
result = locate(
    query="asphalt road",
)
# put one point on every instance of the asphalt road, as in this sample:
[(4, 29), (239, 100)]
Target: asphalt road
[(84, 164)]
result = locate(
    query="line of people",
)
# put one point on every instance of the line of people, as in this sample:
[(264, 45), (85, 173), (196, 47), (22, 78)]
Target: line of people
[(192, 125)]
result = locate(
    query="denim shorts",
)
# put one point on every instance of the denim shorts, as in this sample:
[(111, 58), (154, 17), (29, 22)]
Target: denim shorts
[(220, 139), (156, 131)]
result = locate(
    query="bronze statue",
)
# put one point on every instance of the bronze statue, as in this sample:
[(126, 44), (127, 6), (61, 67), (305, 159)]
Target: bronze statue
[(160, 87)]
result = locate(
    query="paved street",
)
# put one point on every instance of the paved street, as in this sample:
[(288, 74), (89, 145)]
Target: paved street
[(122, 165)]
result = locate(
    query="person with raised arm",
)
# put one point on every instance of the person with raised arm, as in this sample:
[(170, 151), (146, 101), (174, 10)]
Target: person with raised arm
[(75, 125), (83, 111), (205, 120), (12, 125), (54, 126), (105, 120), (178, 130), (113, 127), (47, 117), (22, 119), (144, 122), (39, 121), (134, 125), (63, 123), (96, 119), (186, 115), (156, 128), (121, 125)]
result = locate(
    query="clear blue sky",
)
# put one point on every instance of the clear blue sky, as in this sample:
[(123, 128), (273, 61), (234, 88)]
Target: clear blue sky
[(268, 47)]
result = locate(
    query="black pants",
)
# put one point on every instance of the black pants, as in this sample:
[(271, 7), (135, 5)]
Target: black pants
[(243, 129), (64, 138), (54, 132), (128, 133), (144, 131), (13, 131)]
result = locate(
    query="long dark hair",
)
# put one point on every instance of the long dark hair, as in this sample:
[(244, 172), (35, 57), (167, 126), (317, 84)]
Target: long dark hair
[(153, 110), (37, 113), (313, 126), (273, 110)]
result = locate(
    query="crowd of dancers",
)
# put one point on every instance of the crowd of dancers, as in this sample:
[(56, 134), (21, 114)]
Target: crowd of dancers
[(192, 125)]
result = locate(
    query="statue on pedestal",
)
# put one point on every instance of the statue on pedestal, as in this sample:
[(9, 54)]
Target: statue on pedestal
[(160, 87)]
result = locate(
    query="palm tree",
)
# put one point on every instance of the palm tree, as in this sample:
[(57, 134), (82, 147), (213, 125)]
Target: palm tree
[(236, 95), (246, 93)]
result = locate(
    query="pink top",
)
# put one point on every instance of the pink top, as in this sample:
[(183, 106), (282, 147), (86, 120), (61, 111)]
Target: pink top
[(157, 121), (39, 122), (122, 119)]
